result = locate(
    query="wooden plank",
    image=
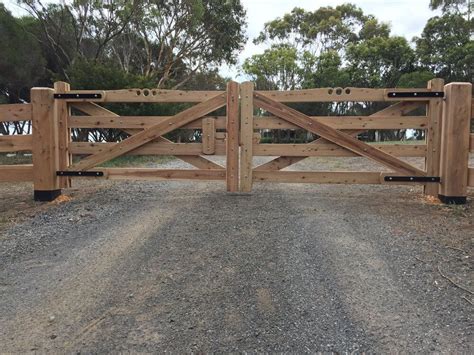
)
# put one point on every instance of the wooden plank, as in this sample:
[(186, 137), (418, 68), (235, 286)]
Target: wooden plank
[(163, 174), (349, 122), (335, 136), (232, 162), (16, 143), (15, 112), (16, 173), (318, 177), (134, 122), (246, 136), (331, 95), (62, 112), (398, 109), (147, 95), (153, 148), (471, 177), (152, 133), (455, 141), (45, 140), (96, 110), (332, 150), (433, 137), (208, 136)]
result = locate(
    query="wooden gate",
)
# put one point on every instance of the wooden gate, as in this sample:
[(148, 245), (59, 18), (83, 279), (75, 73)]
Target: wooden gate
[(337, 137), (444, 112)]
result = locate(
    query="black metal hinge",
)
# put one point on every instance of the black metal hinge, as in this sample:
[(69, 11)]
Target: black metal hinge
[(80, 173), (78, 96), (412, 178), (427, 94)]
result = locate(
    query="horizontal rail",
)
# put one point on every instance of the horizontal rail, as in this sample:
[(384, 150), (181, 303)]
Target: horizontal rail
[(142, 95), (133, 122), (333, 150), (349, 122), (15, 112), (16, 173), (153, 148), (341, 95), (267, 122), (320, 177), (163, 174), (328, 177), (16, 143)]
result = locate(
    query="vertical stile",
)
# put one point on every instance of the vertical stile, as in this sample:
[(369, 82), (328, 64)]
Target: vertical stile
[(232, 168), (433, 137), (208, 135), (455, 143), (246, 136), (62, 111), (45, 145)]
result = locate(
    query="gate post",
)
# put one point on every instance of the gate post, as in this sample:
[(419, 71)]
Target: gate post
[(433, 137), (62, 111), (246, 136), (232, 163), (45, 145), (455, 143)]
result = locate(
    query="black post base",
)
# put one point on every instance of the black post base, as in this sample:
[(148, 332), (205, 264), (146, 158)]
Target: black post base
[(453, 200), (46, 195)]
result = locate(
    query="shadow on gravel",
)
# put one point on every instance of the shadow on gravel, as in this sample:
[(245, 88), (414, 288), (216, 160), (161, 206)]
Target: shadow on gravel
[(186, 269)]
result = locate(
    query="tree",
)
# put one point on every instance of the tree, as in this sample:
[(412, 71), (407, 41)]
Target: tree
[(446, 48), (166, 40)]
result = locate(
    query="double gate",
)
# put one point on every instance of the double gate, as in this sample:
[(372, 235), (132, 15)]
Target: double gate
[(445, 116)]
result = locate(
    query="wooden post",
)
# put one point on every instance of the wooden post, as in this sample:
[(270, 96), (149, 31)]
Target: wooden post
[(62, 111), (434, 111), (246, 136), (45, 145), (455, 143), (232, 166)]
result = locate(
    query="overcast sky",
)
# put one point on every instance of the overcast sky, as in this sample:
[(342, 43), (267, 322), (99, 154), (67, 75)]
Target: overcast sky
[(406, 17)]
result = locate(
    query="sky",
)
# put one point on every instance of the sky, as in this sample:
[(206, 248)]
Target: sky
[(406, 18)]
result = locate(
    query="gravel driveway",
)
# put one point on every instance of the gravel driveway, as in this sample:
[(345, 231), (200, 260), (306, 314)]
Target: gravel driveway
[(186, 267)]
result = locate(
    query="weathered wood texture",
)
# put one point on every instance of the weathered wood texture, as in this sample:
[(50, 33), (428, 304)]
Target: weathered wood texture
[(62, 112), (335, 136), (163, 174), (232, 162), (471, 177), (320, 177), (98, 111), (349, 122), (208, 136), (398, 109), (433, 137), (146, 95), (152, 133), (16, 173), (45, 140), (339, 95), (455, 140), (246, 136), (16, 143), (15, 112)]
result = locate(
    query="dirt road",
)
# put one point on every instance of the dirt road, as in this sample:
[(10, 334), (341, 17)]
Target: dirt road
[(186, 267)]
